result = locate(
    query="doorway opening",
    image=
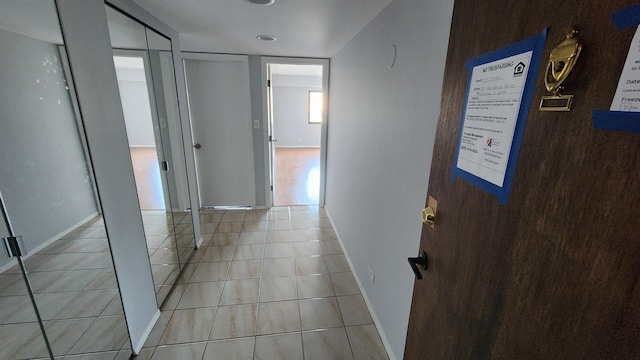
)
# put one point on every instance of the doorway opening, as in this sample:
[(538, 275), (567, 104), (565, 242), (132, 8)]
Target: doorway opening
[(296, 109)]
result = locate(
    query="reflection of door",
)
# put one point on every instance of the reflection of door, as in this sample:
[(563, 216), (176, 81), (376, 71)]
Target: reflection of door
[(553, 274), (219, 105)]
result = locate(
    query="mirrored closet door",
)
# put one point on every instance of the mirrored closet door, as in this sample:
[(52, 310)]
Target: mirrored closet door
[(146, 80), (59, 295)]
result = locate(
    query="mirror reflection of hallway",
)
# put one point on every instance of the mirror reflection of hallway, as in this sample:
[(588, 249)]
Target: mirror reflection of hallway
[(296, 103)]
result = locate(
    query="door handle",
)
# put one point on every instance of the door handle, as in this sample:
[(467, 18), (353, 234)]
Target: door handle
[(420, 260), (197, 146)]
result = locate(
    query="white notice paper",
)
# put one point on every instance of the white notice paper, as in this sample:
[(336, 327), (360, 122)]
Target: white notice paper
[(627, 97), (493, 104)]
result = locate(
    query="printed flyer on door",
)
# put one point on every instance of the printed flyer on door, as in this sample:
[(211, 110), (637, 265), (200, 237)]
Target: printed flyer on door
[(499, 93)]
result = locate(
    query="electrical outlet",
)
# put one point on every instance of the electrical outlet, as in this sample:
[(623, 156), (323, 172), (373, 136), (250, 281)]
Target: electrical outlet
[(372, 275), (256, 124)]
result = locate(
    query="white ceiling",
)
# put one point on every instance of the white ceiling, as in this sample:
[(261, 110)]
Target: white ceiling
[(307, 28)]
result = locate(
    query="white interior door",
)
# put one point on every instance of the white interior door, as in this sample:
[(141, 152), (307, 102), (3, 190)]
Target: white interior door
[(220, 110)]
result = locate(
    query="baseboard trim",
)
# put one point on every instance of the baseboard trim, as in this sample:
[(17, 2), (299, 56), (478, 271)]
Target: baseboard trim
[(14, 262), (376, 321)]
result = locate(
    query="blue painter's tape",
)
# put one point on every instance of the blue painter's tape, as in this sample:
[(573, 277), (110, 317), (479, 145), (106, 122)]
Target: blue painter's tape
[(626, 17), (535, 44), (616, 120)]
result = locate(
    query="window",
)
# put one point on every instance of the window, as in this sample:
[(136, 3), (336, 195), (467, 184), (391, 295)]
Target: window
[(315, 107)]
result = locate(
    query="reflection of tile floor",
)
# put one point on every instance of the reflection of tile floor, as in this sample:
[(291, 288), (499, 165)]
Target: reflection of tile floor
[(266, 285), (77, 295)]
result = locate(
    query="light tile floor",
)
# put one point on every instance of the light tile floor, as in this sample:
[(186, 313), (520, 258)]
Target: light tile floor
[(266, 285)]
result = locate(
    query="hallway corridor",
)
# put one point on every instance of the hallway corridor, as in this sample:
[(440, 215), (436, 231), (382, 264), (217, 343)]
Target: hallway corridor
[(266, 285)]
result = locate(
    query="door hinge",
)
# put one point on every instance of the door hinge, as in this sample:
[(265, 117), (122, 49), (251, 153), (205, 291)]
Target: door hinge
[(164, 165), (268, 83), (271, 187), (13, 245)]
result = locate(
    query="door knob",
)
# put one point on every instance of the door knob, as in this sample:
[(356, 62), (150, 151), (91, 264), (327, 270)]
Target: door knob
[(428, 215), (197, 146), (420, 260)]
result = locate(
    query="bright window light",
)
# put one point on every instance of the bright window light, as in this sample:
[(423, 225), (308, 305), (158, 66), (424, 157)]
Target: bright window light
[(315, 107)]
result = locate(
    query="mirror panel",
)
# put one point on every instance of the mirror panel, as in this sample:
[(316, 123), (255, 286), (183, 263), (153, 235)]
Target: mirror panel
[(47, 183), (144, 67)]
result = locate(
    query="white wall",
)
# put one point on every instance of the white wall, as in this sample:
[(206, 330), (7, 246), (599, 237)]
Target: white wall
[(137, 112), (381, 135), (291, 116)]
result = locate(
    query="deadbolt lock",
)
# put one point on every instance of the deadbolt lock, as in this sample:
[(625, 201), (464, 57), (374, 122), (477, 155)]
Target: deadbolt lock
[(428, 215)]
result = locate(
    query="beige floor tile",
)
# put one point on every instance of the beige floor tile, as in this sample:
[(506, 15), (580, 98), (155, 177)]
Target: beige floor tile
[(257, 215), (224, 239), (311, 286), (63, 334), (247, 252), (304, 235), (320, 314), (172, 300), (278, 317), (210, 271), (240, 349), (366, 343), (243, 291), (354, 310), (276, 250), (278, 288), (72, 280), (329, 344), (229, 227), (245, 269), (307, 248), (299, 224), (310, 265), (337, 263), (330, 247), (108, 355), (14, 309), (274, 347), (234, 321), (182, 351), (278, 267), (218, 253), (278, 236), (248, 237), (188, 326), (299, 215), (254, 226), (87, 304), (344, 284), (203, 294), (327, 233), (230, 216), (105, 334), (22, 341), (279, 225)]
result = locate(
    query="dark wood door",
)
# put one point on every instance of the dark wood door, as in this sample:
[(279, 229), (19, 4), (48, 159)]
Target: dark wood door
[(553, 274)]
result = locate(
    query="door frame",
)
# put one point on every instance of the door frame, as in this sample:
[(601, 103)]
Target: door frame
[(244, 59), (267, 128)]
